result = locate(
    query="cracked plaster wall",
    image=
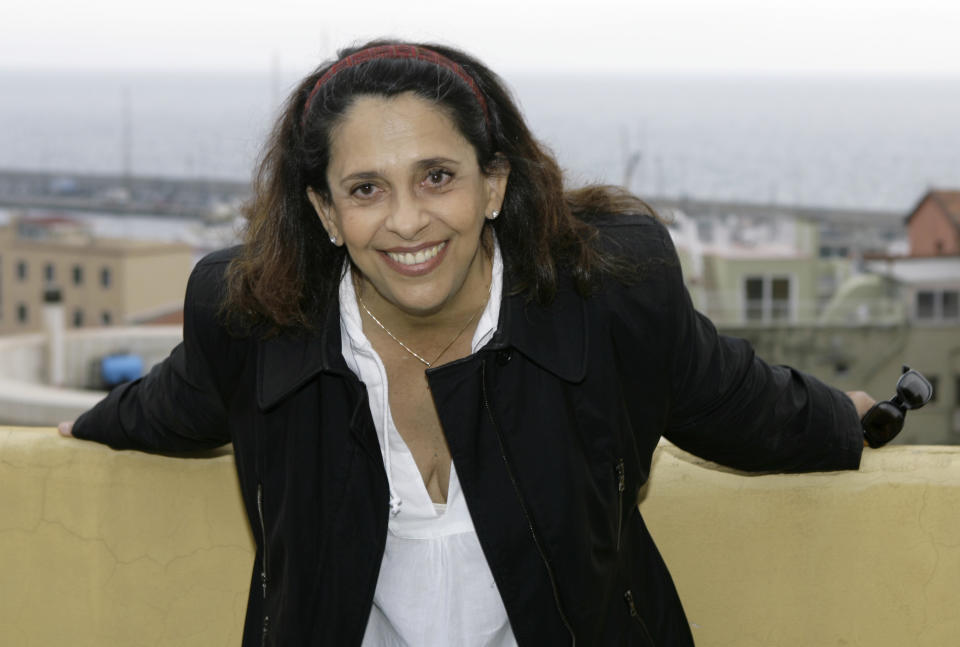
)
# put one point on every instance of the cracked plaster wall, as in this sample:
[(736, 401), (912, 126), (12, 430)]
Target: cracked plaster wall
[(868, 558), (100, 547), (118, 548)]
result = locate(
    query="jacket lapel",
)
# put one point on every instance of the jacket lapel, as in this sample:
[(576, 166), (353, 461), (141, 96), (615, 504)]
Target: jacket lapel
[(554, 336), (286, 363)]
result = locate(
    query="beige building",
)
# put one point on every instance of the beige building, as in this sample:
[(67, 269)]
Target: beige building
[(103, 282), (852, 323)]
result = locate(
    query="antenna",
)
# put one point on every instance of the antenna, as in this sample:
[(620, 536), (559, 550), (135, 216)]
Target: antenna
[(126, 136), (632, 157)]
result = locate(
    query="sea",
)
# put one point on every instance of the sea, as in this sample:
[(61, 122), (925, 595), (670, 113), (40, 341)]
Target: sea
[(864, 143)]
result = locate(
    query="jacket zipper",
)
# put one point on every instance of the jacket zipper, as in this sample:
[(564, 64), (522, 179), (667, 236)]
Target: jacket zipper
[(263, 566), (523, 506), (628, 598), (621, 486)]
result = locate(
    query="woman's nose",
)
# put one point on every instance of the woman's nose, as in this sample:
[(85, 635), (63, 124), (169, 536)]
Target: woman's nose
[(407, 217)]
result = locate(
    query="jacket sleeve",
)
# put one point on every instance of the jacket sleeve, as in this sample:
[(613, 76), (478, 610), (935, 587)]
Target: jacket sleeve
[(729, 406), (178, 405)]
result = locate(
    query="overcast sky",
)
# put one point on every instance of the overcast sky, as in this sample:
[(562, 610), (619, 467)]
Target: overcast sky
[(879, 37)]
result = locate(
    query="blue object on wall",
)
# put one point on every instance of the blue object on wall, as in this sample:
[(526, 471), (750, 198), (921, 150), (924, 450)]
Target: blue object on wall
[(115, 369)]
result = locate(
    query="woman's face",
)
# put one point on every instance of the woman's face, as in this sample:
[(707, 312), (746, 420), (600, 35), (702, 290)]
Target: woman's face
[(408, 200)]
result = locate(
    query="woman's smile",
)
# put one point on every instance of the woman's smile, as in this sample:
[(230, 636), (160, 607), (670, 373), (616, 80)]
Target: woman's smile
[(418, 260)]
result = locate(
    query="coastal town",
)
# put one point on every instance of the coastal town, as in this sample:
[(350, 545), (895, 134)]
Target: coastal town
[(848, 295)]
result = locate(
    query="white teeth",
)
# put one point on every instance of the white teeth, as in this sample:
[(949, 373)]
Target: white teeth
[(422, 256)]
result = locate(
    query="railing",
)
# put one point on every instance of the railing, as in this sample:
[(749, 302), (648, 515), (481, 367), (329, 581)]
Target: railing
[(100, 547), (729, 308)]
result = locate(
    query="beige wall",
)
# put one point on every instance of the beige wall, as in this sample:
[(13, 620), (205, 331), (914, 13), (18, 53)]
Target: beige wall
[(860, 559), (142, 277), (119, 548), (725, 293), (87, 295), (154, 280)]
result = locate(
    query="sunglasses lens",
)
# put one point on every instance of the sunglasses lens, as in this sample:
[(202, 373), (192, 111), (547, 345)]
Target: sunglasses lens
[(914, 390), (882, 422)]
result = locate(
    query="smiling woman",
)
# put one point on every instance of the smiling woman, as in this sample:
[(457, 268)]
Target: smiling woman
[(444, 375), (408, 200)]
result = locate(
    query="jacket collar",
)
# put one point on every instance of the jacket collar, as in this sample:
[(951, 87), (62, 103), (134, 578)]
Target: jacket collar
[(287, 362), (554, 337)]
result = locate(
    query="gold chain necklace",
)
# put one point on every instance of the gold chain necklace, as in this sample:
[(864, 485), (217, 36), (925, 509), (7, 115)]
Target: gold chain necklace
[(410, 350)]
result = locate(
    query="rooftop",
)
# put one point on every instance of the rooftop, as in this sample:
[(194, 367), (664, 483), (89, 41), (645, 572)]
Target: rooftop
[(947, 200), (57, 233), (919, 270)]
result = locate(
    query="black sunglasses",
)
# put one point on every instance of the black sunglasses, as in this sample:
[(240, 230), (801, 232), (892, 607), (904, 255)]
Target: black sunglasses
[(885, 419)]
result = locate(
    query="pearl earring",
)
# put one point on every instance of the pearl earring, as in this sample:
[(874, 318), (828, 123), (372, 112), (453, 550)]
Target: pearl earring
[(333, 239), (494, 214)]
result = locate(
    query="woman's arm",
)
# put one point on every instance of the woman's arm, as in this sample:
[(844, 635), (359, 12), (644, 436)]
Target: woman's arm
[(178, 405), (731, 407)]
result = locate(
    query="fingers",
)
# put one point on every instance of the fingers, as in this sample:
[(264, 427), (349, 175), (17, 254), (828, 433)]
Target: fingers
[(65, 429), (862, 401)]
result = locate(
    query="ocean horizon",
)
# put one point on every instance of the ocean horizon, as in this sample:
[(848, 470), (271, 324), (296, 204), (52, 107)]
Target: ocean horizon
[(867, 143)]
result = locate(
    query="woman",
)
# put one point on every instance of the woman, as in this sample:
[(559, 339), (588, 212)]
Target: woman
[(444, 376)]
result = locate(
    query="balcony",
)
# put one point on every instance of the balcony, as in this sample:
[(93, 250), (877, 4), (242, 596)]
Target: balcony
[(101, 547)]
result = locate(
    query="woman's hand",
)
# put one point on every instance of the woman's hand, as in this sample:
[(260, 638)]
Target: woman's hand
[(862, 402), (66, 429)]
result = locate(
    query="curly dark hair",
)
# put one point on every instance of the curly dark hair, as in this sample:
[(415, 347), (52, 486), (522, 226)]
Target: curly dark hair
[(287, 274)]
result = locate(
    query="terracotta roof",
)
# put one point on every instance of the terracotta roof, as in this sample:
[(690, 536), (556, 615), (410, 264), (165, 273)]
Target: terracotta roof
[(948, 201), (170, 314), (167, 319)]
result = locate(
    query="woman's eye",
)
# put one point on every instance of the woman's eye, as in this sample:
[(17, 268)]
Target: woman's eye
[(365, 190), (437, 177)]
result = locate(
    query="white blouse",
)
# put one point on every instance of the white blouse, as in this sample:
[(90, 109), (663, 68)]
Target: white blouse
[(435, 588)]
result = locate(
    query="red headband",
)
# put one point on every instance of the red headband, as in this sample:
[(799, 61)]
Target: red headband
[(397, 51)]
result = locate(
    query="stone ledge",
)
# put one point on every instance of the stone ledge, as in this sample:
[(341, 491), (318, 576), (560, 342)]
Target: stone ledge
[(120, 548)]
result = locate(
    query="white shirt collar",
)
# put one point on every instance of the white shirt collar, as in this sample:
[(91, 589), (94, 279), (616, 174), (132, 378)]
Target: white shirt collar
[(351, 325)]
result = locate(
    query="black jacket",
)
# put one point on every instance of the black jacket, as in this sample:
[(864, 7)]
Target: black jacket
[(551, 426)]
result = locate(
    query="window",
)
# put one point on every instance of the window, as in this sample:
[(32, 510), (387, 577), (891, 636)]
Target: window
[(22, 270), (753, 289), (780, 299), (23, 314), (49, 273), (105, 318), (105, 277), (949, 306), (925, 305), (956, 404), (767, 299), (77, 318), (938, 305), (77, 275)]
